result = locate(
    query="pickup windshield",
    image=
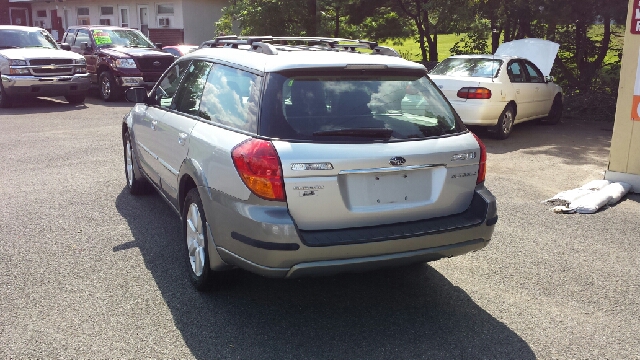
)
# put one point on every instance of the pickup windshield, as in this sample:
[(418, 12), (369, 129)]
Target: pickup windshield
[(19, 38), (117, 37), (356, 106)]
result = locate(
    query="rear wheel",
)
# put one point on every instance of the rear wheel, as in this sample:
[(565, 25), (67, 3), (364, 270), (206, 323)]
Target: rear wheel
[(5, 100), (109, 88), (555, 114), (75, 99), (194, 229), (502, 130)]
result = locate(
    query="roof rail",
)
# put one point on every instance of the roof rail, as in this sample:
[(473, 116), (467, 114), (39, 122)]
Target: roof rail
[(271, 44)]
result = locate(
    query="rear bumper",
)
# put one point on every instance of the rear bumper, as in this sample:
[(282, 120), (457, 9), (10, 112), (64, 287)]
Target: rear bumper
[(45, 85), (479, 112), (266, 241)]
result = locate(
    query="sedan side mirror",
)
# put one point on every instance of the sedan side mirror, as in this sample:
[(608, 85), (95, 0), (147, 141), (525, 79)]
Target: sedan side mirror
[(549, 79), (137, 95), (65, 46)]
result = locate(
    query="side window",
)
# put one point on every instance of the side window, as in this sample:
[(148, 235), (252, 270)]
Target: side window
[(535, 76), (231, 98), (515, 72), (69, 37), (82, 36), (168, 85), (190, 92)]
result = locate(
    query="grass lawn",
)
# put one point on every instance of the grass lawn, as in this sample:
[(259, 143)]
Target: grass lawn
[(412, 48)]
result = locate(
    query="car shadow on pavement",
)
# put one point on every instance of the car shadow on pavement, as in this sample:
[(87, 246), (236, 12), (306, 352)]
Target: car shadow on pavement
[(410, 312), (574, 141), (41, 105)]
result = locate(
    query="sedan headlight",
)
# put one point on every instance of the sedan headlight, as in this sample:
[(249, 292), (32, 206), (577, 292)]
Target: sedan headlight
[(17, 63), (126, 63)]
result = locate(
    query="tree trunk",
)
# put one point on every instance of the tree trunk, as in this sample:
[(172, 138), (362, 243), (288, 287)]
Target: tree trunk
[(433, 47), (336, 31), (312, 18)]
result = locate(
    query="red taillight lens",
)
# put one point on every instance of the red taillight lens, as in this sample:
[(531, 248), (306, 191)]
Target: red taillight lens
[(482, 169), (258, 165), (474, 93)]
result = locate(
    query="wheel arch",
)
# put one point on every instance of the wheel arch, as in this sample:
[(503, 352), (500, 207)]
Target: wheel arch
[(191, 176), (514, 106)]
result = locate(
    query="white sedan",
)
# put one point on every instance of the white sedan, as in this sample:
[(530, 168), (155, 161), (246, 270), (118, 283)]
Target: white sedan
[(504, 89)]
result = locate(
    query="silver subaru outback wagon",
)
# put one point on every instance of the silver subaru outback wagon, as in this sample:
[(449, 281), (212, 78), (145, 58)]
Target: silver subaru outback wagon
[(295, 157)]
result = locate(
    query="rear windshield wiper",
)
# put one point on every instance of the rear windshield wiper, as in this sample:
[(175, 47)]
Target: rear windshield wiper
[(363, 132)]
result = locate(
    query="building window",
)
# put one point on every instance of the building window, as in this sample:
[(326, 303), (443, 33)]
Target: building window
[(165, 9), (105, 21), (106, 10), (83, 11), (83, 21), (124, 17), (41, 13)]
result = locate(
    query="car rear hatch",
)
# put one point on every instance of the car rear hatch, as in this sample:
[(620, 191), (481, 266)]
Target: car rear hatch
[(358, 185)]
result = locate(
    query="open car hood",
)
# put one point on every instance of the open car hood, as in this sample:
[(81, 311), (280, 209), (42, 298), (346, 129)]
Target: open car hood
[(538, 51)]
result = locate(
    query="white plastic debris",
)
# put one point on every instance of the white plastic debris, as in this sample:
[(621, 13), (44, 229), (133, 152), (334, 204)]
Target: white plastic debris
[(588, 198)]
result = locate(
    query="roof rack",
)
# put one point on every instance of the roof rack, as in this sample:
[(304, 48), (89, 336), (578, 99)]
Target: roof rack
[(271, 44)]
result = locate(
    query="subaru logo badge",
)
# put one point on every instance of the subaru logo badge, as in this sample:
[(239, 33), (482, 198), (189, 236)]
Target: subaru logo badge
[(397, 160), (156, 63)]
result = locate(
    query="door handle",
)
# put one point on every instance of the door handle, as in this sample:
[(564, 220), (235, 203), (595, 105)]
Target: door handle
[(181, 138), (153, 124)]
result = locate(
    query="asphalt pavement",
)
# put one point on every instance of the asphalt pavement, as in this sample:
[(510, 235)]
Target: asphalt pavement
[(88, 271)]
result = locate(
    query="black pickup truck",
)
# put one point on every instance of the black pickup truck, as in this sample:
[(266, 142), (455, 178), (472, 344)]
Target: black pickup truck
[(118, 58)]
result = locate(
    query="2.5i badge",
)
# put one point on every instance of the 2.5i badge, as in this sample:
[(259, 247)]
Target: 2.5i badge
[(462, 175)]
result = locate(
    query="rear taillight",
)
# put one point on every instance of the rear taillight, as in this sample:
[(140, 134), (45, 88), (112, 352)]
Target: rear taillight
[(474, 93), (482, 169), (258, 165)]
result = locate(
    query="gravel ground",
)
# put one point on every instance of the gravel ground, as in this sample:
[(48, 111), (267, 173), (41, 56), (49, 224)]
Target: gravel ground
[(88, 271)]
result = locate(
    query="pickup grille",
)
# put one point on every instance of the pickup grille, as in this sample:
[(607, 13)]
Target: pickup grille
[(147, 64), (49, 72), (50, 61)]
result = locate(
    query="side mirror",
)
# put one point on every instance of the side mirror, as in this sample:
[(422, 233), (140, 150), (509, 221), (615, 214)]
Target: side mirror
[(65, 46), (84, 46), (137, 95), (158, 45), (549, 79)]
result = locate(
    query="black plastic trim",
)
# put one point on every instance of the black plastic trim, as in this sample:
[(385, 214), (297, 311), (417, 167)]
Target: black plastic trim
[(492, 221), (474, 216), (264, 244)]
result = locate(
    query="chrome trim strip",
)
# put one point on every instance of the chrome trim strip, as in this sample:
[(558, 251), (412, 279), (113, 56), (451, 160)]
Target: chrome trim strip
[(390, 169)]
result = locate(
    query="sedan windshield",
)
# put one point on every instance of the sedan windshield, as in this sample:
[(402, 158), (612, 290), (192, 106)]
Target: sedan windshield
[(18, 38), (125, 38), (329, 107), (468, 67)]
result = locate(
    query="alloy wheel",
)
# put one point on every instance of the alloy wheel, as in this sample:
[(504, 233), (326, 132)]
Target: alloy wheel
[(195, 240)]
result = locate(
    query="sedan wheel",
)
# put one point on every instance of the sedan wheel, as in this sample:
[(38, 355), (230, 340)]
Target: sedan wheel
[(194, 224), (505, 124)]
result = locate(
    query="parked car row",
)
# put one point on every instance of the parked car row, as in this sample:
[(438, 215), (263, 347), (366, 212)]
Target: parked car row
[(114, 58)]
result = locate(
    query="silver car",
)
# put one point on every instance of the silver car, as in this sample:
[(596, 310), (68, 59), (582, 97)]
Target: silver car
[(294, 157)]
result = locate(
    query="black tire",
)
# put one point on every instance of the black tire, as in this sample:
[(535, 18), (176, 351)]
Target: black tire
[(135, 185), (195, 236), (5, 100), (555, 114), (108, 87), (75, 99), (503, 128)]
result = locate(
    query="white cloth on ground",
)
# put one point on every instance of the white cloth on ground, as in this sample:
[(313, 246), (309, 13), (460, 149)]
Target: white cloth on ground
[(595, 184), (617, 190), (567, 197), (589, 204)]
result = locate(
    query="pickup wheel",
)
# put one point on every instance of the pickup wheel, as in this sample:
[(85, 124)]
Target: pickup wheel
[(75, 99), (5, 100), (136, 186), (109, 88), (194, 231)]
